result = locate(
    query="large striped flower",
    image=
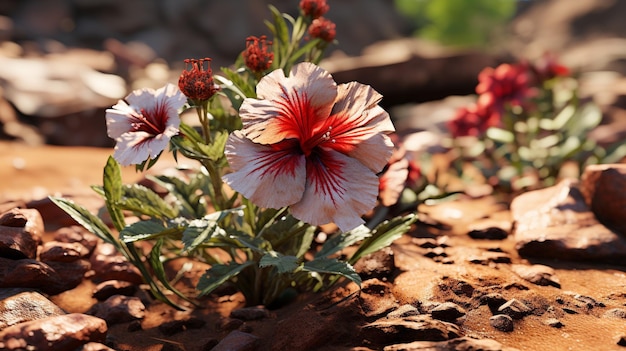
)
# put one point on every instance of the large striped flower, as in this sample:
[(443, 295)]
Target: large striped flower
[(144, 122), (312, 145)]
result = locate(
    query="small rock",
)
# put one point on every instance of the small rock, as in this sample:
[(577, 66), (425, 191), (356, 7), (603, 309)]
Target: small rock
[(25, 306), (590, 302), (493, 301), (177, 326), (553, 322), (502, 322), (119, 309), (109, 288), (20, 233), (28, 273), (109, 264), (514, 309), (77, 234), (237, 341), (63, 332), (62, 252), (404, 311), (615, 313), (622, 340), (537, 274), (250, 313), (448, 312)]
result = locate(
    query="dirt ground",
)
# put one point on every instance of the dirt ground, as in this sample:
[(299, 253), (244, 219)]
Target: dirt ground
[(435, 263)]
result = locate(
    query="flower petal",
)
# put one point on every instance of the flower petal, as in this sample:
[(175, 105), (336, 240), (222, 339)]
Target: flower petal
[(148, 98), (136, 147), (117, 119), (393, 181), (339, 189), (269, 176), (288, 107), (358, 125)]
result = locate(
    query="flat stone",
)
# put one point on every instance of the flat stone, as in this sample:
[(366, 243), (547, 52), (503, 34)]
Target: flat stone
[(448, 312), (28, 273), (458, 344), (25, 306), (401, 330), (537, 274), (556, 223), (515, 309), (64, 332)]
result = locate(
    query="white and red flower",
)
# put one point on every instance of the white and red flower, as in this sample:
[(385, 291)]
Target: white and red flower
[(143, 123), (312, 145)]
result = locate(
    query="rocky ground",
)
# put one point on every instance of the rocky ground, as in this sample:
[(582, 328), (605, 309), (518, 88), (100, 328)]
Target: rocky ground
[(545, 270), (539, 272)]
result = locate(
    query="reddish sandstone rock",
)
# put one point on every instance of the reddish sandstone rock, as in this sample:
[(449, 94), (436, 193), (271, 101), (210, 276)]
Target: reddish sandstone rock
[(20, 233), (604, 190), (556, 223)]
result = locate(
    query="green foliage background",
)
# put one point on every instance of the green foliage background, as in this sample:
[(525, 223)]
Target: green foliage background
[(458, 22)]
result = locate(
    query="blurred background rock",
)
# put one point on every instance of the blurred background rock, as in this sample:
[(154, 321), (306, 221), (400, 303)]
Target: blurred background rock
[(63, 62)]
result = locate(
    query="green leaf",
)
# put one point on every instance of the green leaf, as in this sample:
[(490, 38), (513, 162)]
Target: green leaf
[(283, 264), (383, 235), (215, 151), (288, 235), (141, 199), (112, 185), (191, 203), (154, 258), (147, 230), (86, 219), (332, 266), (198, 232), (342, 240), (219, 274)]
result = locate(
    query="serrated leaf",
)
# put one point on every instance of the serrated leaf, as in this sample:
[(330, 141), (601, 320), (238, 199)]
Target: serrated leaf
[(342, 240), (85, 218), (215, 151), (191, 204), (139, 198), (146, 230), (283, 264), (332, 266), (219, 274), (198, 232), (112, 186), (383, 235)]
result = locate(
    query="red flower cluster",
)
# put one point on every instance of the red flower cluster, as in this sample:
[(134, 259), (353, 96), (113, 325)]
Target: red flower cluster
[(197, 83), (314, 8), (506, 85), (472, 120), (258, 55), (322, 28)]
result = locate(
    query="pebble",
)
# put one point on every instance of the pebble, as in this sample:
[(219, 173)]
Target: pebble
[(250, 313), (448, 312), (502, 322), (515, 309)]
